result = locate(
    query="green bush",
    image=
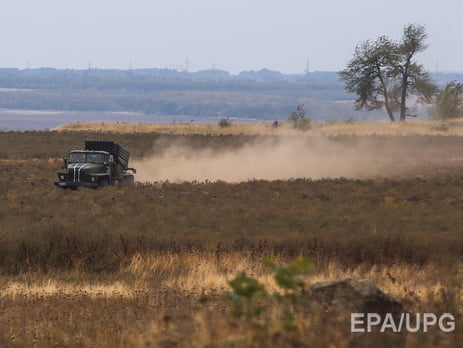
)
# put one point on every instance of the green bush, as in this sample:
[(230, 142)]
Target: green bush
[(449, 102), (251, 301)]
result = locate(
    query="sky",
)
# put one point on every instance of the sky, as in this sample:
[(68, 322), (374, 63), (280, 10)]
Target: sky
[(290, 36)]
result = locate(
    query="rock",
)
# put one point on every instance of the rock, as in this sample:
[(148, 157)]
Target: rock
[(354, 296), (340, 298)]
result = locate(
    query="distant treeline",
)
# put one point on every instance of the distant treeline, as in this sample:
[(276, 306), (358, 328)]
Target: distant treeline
[(256, 94)]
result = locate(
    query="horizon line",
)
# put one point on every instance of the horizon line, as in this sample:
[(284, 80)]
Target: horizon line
[(197, 71)]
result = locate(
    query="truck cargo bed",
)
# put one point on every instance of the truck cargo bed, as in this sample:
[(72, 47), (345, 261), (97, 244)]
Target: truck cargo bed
[(121, 155)]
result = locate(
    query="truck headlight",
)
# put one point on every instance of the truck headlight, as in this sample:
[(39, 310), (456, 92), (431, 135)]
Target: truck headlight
[(61, 177), (92, 178)]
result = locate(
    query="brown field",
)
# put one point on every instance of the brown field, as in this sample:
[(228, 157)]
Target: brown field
[(146, 266)]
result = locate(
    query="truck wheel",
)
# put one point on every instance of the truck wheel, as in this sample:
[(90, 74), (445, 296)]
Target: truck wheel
[(103, 182), (128, 180)]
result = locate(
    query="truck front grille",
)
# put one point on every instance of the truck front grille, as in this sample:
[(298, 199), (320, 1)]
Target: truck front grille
[(77, 172)]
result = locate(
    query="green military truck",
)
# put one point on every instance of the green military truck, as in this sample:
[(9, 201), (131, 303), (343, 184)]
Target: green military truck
[(101, 163)]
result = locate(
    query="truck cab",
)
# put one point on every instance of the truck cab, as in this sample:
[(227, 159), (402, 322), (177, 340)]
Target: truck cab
[(102, 163)]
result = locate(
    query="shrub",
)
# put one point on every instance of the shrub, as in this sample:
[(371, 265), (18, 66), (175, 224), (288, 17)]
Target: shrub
[(225, 122), (449, 102), (299, 118)]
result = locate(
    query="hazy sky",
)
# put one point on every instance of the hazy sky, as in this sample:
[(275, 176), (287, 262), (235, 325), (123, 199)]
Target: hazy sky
[(233, 35)]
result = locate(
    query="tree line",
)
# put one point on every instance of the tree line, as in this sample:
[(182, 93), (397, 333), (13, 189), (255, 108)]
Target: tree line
[(152, 91)]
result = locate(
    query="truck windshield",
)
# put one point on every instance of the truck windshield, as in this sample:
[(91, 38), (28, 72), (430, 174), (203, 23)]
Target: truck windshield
[(95, 158), (85, 157), (77, 157)]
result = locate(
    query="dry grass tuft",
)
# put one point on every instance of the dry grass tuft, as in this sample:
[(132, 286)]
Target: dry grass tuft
[(50, 287)]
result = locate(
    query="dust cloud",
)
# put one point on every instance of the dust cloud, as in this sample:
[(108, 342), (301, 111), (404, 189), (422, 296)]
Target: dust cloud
[(290, 157)]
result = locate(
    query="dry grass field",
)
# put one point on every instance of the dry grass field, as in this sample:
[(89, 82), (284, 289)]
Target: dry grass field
[(146, 266), (431, 127)]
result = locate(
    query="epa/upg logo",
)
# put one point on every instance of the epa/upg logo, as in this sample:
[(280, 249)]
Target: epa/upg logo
[(365, 322)]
